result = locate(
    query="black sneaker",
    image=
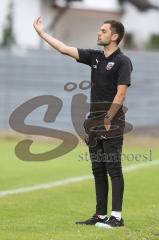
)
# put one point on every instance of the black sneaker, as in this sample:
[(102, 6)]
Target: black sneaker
[(93, 220), (111, 223)]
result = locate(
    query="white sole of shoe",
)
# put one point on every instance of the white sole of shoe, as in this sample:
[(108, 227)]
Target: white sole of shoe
[(103, 225)]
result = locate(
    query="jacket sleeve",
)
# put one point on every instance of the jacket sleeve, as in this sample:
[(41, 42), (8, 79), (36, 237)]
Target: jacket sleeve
[(85, 56), (124, 73)]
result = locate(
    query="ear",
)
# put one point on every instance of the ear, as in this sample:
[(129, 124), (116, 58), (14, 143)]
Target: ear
[(115, 37)]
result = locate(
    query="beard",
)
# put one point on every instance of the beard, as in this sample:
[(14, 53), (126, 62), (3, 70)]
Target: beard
[(103, 44)]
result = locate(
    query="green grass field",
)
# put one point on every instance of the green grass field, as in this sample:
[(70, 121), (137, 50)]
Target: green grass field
[(50, 214)]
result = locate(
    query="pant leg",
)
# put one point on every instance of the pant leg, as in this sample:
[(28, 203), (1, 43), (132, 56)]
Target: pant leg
[(113, 149), (101, 178)]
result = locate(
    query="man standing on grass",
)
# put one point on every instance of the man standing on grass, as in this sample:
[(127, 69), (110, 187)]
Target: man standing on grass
[(110, 78)]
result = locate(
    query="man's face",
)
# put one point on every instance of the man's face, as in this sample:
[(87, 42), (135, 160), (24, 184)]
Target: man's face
[(105, 35)]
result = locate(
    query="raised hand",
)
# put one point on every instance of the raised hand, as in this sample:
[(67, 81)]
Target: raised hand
[(38, 25)]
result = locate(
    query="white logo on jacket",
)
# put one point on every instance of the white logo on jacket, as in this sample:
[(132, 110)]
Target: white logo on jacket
[(96, 65)]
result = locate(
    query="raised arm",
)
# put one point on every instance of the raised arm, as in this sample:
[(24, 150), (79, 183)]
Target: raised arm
[(53, 42)]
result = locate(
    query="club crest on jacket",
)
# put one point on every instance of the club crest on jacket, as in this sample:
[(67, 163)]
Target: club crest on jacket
[(110, 65)]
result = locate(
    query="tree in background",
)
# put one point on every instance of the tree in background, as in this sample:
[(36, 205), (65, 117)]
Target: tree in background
[(141, 5), (8, 38), (61, 10)]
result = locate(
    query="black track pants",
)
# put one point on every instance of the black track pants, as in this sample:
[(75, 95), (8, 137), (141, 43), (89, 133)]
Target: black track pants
[(106, 160)]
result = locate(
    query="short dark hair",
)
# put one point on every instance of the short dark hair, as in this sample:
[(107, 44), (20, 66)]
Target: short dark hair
[(116, 27)]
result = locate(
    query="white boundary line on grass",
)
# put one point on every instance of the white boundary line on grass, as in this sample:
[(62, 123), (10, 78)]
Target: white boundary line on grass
[(71, 180)]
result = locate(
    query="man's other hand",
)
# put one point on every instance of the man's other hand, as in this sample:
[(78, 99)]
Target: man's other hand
[(107, 124)]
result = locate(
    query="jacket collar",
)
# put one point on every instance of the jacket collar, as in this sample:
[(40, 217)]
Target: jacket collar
[(112, 55)]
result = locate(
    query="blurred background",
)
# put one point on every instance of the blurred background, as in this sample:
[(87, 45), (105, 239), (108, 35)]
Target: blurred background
[(30, 68)]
